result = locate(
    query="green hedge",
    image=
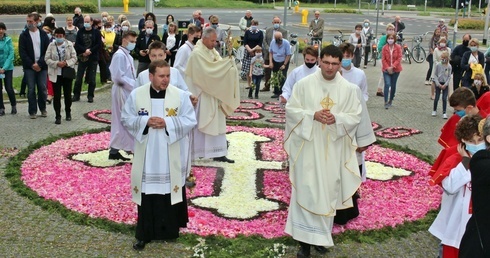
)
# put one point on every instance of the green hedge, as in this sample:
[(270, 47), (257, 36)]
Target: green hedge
[(15, 8), (469, 24)]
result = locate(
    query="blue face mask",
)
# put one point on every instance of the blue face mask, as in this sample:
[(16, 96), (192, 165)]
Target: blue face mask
[(474, 148), (460, 113), (276, 26), (86, 25), (346, 62), (59, 40)]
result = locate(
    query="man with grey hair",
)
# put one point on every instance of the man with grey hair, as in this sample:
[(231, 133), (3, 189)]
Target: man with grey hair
[(279, 55), (218, 96), (269, 35), (245, 22), (316, 26), (78, 18), (145, 38)]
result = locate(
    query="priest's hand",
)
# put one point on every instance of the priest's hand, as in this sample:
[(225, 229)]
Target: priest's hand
[(156, 122), (323, 115), (361, 149), (193, 100), (329, 117)]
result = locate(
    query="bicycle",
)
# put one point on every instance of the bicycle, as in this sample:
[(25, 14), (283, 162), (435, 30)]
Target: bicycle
[(418, 52), (338, 39), (293, 42), (374, 51), (407, 55), (314, 41)]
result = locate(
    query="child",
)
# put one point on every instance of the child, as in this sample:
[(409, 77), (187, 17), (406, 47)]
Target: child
[(442, 76), (476, 239), (479, 86), (450, 224), (256, 72)]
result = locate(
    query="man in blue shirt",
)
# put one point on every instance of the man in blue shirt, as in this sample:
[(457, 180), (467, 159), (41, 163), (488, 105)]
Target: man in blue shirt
[(279, 55)]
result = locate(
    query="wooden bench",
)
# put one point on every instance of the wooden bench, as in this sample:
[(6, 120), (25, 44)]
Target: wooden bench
[(411, 7)]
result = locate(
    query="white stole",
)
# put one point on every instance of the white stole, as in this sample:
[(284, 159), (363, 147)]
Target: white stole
[(172, 100)]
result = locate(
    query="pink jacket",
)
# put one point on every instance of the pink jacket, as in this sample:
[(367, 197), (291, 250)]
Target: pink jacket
[(389, 59)]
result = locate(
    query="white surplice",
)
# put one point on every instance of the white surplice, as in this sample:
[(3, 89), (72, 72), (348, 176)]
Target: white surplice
[(365, 134), (297, 74), (324, 171), (151, 171), (182, 57), (123, 75), (175, 79), (450, 224)]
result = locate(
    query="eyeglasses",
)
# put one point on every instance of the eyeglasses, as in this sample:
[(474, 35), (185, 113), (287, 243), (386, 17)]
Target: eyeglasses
[(330, 64)]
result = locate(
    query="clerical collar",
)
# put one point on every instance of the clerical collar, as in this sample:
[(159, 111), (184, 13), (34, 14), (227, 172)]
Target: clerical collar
[(156, 94)]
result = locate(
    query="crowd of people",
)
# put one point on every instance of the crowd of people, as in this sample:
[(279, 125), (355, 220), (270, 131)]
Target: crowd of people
[(172, 106)]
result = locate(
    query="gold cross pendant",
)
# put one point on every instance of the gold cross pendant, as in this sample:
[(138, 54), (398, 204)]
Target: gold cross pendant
[(135, 189), (176, 188)]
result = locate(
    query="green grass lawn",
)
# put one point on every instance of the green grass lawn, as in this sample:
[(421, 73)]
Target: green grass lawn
[(18, 80)]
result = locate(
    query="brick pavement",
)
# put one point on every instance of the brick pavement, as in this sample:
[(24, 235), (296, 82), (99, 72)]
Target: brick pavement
[(30, 231)]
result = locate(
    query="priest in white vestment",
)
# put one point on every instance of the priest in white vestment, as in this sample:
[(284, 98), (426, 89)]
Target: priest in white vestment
[(322, 116), (156, 51), (159, 116), (184, 52), (123, 74), (214, 80)]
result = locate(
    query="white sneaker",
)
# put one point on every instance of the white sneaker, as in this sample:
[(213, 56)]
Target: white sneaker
[(434, 113), (444, 116), (427, 83)]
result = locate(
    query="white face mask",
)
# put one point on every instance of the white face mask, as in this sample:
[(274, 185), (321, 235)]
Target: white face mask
[(391, 41), (149, 31), (442, 44), (258, 54), (108, 30), (131, 46), (477, 82), (125, 28)]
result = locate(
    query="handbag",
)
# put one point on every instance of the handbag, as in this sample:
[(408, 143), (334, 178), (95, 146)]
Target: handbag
[(66, 72)]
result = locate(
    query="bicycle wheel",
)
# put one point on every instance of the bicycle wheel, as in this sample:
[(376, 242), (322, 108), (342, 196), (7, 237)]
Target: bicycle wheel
[(418, 54), (407, 56), (374, 57)]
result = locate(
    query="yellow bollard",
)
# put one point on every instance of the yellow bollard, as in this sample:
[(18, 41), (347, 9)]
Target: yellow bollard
[(296, 6), (304, 17), (126, 6)]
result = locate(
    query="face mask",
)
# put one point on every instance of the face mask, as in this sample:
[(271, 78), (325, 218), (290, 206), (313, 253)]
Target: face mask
[(149, 31), (474, 49), (131, 46), (279, 41), (125, 28), (477, 82), (358, 32), (253, 28), (214, 26), (276, 26), (366, 24), (194, 41), (466, 42), (391, 41), (59, 40), (108, 29), (444, 61), (346, 62), (30, 26), (104, 20), (310, 65), (460, 113), (442, 44), (474, 148), (258, 55), (86, 25), (39, 24), (50, 36)]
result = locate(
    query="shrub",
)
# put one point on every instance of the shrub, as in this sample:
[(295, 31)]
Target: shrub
[(337, 10), (15, 8), (469, 24)]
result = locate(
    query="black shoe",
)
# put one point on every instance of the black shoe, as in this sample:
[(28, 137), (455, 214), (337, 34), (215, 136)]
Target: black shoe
[(68, 118), (90, 99), (265, 89), (250, 97), (275, 96), (75, 98), (48, 101), (304, 251), (58, 121), (22, 95), (14, 110), (139, 245), (380, 94), (2, 112), (224, 159), (321, 249), (118, 156)]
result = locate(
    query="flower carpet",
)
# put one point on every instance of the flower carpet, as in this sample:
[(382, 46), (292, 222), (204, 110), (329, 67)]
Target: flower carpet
[(249, 197)]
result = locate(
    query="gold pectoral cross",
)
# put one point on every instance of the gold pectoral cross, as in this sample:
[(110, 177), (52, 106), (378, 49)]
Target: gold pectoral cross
[(176, 188), (327, 103), (135, 189)]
